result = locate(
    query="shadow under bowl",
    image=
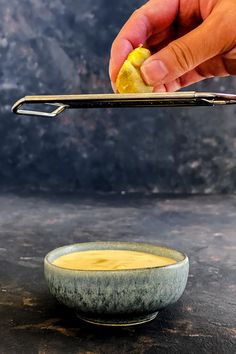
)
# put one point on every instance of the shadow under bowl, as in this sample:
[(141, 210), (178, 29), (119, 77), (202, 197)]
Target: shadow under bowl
[(117, 297)]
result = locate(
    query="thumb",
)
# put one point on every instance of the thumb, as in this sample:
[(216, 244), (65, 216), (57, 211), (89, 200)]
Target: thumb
[(185, 53)]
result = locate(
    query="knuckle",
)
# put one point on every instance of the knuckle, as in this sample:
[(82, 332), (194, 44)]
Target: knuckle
[(183, 55)]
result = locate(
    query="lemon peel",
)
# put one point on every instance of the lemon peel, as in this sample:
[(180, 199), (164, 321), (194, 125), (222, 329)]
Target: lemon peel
[(129, 79)]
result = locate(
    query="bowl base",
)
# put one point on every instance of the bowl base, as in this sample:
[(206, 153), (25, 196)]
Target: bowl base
[(118, 321)]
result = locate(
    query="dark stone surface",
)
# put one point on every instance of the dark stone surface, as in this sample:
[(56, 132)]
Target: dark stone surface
[(53, 47), (202, 321)]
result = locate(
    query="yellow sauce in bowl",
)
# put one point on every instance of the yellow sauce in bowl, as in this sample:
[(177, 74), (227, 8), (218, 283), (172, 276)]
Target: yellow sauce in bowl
[(111, 260)]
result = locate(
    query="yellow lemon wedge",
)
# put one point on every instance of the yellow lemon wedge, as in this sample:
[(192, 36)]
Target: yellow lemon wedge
[(129, 79)]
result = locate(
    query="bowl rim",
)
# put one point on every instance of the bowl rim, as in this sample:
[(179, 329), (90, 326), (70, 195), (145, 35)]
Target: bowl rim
[(95, 271)]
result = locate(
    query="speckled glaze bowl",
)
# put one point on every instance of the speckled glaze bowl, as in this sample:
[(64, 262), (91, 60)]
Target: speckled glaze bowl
[(117, 297)]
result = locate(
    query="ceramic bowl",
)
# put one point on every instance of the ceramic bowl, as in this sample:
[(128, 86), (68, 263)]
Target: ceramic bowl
[(117, 297)]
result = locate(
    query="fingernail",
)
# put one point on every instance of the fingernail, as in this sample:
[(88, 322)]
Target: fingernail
[(160, 88), (114, 87), (154, 71)]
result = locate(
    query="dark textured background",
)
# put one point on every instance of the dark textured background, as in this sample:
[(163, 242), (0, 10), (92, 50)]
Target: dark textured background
[(58, 47)]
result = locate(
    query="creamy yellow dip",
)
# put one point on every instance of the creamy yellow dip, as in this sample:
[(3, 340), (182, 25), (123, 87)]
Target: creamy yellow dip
[(111, 260)]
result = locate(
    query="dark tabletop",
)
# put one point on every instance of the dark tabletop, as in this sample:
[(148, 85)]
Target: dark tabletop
[(202, 321)]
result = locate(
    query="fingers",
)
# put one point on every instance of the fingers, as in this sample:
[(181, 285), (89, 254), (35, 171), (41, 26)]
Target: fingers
[(186, 53), (213, 67), (154, 17), (230, 66), (190, 78)]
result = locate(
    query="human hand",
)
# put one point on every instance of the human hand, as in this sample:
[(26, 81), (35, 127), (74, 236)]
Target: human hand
[(190, 40)]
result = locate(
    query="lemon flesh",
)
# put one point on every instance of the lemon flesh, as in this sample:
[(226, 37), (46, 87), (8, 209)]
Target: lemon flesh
[(129, 79)]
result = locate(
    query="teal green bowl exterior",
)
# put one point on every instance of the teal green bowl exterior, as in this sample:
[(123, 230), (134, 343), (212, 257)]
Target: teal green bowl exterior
[(119, 297)]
